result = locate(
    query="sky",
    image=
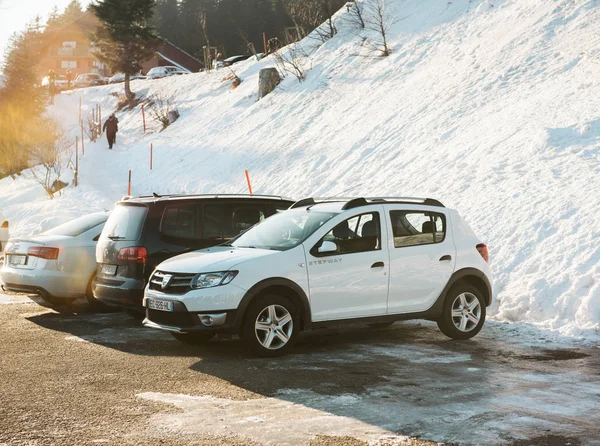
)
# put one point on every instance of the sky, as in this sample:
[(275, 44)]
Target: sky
[(15, 14)]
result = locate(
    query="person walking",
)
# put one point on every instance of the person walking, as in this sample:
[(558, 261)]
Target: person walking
[(51, 85), (111, 126), (69, 78)]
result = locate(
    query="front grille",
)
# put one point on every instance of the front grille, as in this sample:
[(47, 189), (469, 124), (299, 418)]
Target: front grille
[(176, 319), (178, 284)]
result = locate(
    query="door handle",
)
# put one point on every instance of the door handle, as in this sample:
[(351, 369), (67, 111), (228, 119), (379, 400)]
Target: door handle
[(445, 258), (377, 265)]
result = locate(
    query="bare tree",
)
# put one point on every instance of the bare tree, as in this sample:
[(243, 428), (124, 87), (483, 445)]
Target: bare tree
[(49, 156), (314, 16), (378, 18), (355, 14), (161, 108), (292, 59)]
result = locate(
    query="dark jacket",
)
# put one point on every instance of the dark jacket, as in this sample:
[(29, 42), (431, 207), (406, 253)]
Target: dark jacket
[(111, 125)]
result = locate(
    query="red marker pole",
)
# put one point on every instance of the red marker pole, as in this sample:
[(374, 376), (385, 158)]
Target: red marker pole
[(82, 145), (144, 117), (248, 180), (150, 156), (265, 42), (129, 184)]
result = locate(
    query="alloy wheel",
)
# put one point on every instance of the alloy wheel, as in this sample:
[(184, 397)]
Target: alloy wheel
[(466, 312), (274, 327)]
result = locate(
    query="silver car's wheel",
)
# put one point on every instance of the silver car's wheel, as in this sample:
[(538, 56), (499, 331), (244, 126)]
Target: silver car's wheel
[(466, 312), (270, 325), (463, 313), (274, 327)]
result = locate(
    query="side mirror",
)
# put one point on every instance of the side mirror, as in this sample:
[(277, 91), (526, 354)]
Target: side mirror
[(327, 246)]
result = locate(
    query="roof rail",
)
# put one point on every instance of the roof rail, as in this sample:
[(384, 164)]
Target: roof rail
[(167, 196), (407, 200), (303, 202), (364, 201), (354, 203)]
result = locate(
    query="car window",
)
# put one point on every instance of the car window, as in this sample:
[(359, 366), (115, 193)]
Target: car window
[(78, 226), (125, 223), (360, 233), (228, 220), (212, 221), (181, 221), (242, 217), (412, 228), (284, 230)]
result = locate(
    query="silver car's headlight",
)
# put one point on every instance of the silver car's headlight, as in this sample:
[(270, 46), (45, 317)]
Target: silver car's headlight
[(208, 280)]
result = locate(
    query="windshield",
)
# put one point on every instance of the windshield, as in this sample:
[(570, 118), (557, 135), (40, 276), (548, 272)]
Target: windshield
[(283, 231), (78, 226), (125, 223)]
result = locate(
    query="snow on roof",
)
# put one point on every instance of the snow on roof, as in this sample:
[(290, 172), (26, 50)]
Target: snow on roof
[(173, 62)]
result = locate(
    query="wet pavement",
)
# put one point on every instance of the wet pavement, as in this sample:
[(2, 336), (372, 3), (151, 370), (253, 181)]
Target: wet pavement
[(122, 383)]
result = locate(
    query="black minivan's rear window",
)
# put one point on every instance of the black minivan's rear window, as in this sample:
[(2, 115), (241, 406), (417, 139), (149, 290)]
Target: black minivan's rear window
[(125, 223)]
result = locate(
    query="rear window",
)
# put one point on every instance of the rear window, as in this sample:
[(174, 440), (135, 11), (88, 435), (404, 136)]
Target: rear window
[(78, 226), (412, 228), (125, 223)]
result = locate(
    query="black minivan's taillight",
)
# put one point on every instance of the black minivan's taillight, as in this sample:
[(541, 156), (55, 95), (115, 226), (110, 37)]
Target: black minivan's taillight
[(43, 252), (135, 254), (483, 250)]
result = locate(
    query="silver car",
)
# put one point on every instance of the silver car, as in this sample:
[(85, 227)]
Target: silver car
[(58, 264)]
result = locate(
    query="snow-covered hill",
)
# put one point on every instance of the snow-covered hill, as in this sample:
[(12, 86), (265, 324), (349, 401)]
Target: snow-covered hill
[(489, 106)]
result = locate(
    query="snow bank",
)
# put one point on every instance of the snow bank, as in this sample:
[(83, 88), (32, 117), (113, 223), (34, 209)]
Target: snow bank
[(490, 107)]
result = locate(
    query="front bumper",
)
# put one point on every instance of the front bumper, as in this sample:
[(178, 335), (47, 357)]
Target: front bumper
[(183, 321)]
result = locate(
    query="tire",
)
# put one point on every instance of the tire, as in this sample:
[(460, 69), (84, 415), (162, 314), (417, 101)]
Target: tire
[(94, 303), (193, 338), (456, 323), (380, 325), (261, 336), (51, 300)]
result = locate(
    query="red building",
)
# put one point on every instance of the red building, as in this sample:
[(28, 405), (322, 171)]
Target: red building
[(70, 47)]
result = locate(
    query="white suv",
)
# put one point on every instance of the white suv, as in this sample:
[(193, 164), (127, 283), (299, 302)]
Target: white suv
[(363, 260)]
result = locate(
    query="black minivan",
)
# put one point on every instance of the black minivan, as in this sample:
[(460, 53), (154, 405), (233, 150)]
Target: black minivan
[(142, 232)]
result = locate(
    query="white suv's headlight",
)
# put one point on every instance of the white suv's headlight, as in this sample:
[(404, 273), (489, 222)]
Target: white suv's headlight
[(208, 280)]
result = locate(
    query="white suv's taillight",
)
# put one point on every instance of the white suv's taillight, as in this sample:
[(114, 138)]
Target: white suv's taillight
[(483, 250)]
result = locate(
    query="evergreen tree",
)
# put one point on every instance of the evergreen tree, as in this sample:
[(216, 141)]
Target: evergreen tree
[(125, 38), (72, 11), (20, 68), (21, 100), (167, 20), (195, 19)]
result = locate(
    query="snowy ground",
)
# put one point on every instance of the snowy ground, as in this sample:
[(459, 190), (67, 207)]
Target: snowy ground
[(510, 383), (490, 107)]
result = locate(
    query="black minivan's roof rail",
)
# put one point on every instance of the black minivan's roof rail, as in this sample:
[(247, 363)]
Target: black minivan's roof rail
[(364, 201), (167, 196)]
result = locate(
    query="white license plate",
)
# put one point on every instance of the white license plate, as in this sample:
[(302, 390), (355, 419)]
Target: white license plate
[(160, 305), (109, 270), (17, 260)]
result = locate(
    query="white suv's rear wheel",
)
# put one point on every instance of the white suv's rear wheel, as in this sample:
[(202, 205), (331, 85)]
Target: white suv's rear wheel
[(270, 325), (464, 312)]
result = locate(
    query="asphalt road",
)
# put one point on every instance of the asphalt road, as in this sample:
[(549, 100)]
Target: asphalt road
[(71, 376)]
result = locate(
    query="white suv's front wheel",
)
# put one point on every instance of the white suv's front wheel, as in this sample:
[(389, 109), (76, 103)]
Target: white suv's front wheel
[(464, 312), (270, 325)]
